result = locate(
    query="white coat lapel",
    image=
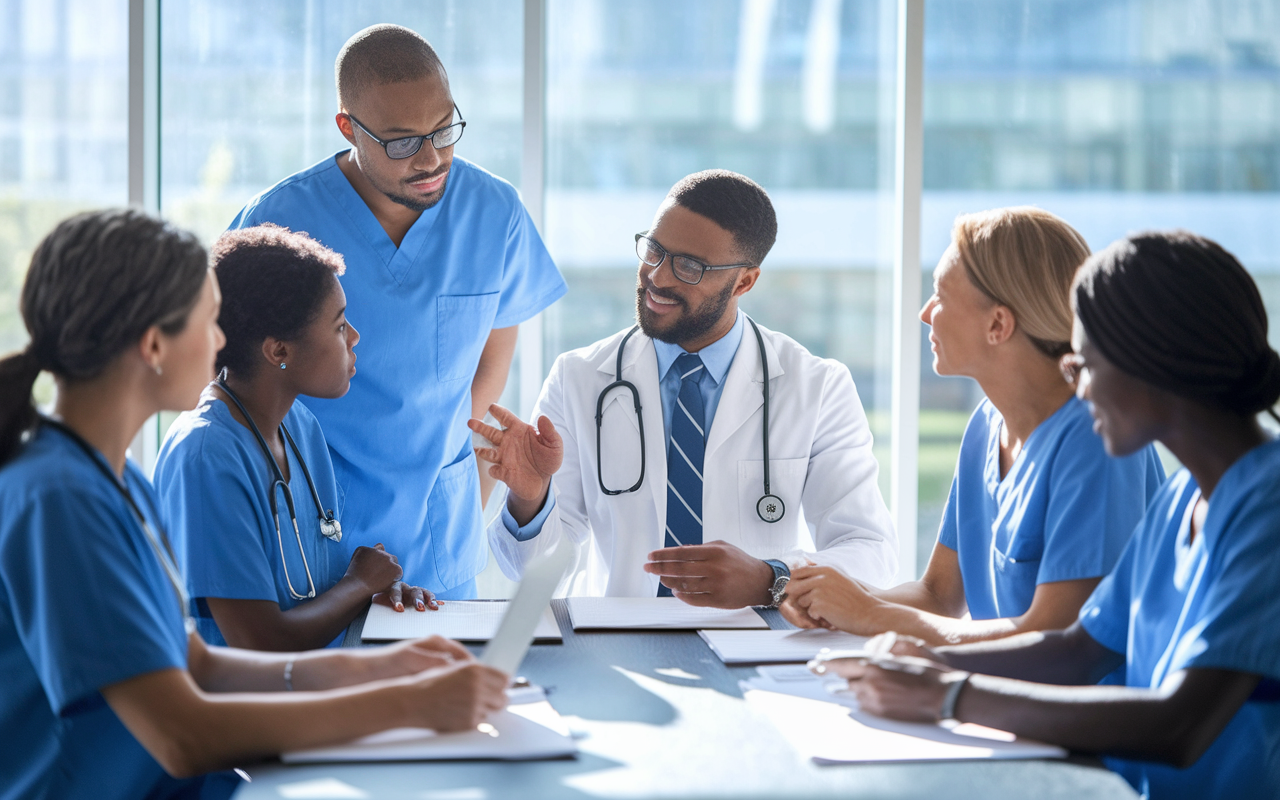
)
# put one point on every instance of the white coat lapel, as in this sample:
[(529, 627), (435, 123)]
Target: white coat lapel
[(743, 386)]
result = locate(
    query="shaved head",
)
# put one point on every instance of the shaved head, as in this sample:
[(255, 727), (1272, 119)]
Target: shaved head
[(382, 54)]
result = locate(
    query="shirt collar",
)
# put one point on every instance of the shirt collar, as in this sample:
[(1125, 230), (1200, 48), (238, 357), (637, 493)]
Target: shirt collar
[(716, 357)]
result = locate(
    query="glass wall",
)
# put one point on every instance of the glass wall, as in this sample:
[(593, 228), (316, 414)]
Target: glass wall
[(247, 91), (63, 128), (796, 94), (1117, 115)]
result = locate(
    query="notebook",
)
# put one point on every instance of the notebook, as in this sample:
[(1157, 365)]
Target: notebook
[(777, 647), (462, 620), (655, 613)]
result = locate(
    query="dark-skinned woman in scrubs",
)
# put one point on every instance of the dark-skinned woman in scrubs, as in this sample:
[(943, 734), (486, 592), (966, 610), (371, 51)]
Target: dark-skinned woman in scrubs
[(254, 581), (1170, 344), (107, 688)]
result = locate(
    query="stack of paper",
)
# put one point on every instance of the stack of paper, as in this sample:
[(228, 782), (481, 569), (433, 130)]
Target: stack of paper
[(463, 620), (778, 647), (528, 729), (656, 613), (824, 724)]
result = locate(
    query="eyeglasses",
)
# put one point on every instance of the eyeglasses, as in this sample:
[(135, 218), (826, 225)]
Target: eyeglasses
[(686, 269), (1070, 366), (397, 149)]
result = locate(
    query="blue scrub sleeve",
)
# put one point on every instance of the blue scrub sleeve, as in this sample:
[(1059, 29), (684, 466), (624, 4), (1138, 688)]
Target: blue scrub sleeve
[(530, 279), (949, 531), (87, 611), (1095, 503), (1237, 629), (534, 526), (212, 506)]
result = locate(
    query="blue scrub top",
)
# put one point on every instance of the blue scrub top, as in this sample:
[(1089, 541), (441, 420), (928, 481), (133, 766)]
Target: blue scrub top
[(214, 480), (401, 448), (85, 604), (1063, 512), (1173, 604)]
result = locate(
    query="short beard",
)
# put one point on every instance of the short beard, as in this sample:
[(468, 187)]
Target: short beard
[(418, 205), (692, 325)]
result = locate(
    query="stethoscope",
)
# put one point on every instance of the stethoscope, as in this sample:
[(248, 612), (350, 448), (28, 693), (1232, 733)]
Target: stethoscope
[(329, 527), (769, 507), (160, 544)]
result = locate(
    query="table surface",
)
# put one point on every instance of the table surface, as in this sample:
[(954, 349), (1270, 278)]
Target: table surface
[(659, 716)]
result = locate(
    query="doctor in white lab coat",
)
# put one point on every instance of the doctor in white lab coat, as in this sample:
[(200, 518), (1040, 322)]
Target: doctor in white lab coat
[(820, 460)]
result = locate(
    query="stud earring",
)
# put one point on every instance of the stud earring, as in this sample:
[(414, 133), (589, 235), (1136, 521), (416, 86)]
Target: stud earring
[(281, 365), (158, 370)]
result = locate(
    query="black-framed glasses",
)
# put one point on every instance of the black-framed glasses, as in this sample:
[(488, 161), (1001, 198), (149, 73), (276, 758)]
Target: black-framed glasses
[(1070, 366), (686, 269), (407, 146)]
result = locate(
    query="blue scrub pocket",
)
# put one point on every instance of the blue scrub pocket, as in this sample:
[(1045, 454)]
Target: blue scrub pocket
[(463, 322), (1015, 582), (459, 548)]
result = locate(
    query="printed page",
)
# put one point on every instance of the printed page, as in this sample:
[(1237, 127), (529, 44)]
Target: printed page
[(463, 620)]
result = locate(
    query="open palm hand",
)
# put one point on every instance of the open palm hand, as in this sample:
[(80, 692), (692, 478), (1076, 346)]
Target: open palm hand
[(523, 457)]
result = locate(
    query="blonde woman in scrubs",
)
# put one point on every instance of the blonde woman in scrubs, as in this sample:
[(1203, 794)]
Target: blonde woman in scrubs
[(1037, 513)]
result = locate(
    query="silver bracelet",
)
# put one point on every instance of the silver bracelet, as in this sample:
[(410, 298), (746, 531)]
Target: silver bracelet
[(948, 710), (288, 675)]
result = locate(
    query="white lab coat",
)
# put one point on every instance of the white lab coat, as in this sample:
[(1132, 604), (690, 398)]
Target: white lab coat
[(819, 452)]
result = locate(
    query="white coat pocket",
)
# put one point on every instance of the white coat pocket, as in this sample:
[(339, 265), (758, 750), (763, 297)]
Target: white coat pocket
[(786, 480)]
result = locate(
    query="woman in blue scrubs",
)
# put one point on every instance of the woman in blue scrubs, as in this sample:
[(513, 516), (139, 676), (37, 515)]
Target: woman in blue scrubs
[(1170, 344), (253, 580), (1037, 512), (108, 693)]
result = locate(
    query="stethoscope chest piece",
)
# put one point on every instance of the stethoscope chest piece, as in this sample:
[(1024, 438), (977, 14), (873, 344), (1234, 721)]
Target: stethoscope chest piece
[(770, 508), (330, 528)]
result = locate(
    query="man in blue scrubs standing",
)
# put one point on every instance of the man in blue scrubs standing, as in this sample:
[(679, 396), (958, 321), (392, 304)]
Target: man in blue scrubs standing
[(443, 264)]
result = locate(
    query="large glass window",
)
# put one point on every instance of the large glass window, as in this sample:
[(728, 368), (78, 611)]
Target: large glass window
[(797, 95), (248, 94), (1116, 115), (63, 128)]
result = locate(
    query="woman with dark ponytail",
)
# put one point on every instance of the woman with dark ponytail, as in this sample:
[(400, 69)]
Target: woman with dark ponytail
[(1170, 344), (107, 685)]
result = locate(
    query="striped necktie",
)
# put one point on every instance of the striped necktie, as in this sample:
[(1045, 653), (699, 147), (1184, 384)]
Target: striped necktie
[(684, 460)]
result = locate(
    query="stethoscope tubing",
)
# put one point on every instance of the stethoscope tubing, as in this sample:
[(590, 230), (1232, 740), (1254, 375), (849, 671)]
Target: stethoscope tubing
[(280, 483), (769, 507), (160, 544)]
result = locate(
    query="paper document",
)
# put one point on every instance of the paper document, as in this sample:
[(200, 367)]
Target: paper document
[(825, 725), (656, 613), (524, 731), (463, 620), (778, 647)]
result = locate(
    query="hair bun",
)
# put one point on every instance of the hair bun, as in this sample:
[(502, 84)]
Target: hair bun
[(1259, 387)]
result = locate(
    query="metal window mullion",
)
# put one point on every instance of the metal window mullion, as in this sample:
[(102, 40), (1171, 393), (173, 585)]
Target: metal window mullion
[(908, 182), (144, 155), (533, 181)]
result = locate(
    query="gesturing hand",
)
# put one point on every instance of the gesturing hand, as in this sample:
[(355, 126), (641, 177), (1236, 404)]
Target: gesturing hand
[(523, 457)]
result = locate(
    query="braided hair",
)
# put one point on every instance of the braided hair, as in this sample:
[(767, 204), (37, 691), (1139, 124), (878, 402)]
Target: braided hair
[(96, 283), (1180, 312)]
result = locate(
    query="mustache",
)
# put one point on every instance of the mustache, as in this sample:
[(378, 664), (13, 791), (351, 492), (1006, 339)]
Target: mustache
[(644, 287), (427, 175)]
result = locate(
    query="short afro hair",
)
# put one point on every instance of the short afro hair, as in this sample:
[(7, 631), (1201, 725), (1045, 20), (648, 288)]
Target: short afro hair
[(383, 54), (274, 283), (734, 202)]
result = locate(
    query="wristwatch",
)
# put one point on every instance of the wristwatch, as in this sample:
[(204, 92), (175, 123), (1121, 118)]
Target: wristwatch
[(781, 577)]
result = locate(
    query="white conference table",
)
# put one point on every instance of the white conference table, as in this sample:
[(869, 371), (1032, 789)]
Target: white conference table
[(659, 716)]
